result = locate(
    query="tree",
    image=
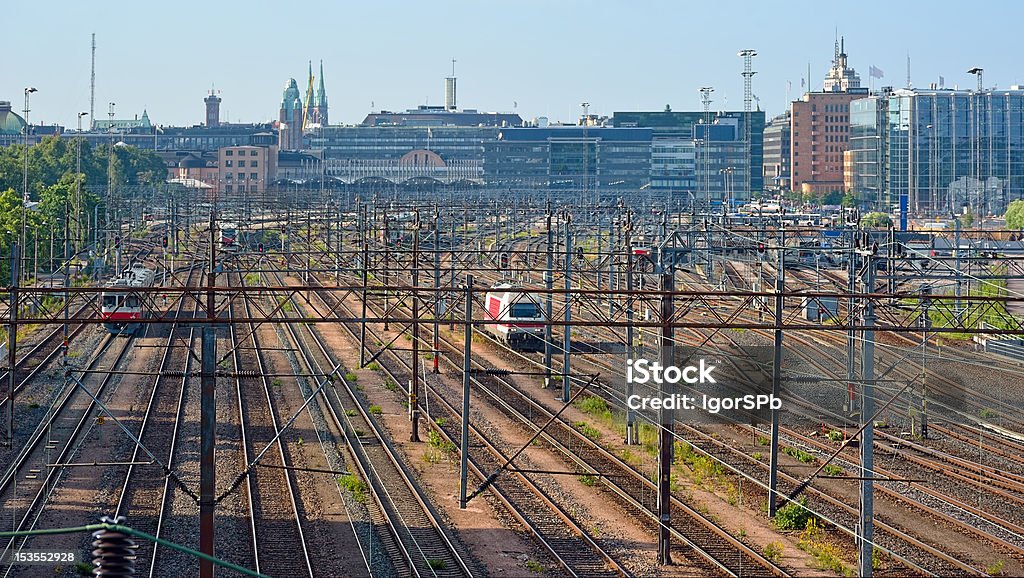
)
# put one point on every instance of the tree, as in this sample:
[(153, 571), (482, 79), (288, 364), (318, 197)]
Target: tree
[(966, 219), (875, 220), (1015, 215), (849, 200)]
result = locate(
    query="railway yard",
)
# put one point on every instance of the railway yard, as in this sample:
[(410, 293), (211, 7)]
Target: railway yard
[(410, 385)]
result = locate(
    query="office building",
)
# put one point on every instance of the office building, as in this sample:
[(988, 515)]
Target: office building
[(943, 149), (820, 130), (777, 148)]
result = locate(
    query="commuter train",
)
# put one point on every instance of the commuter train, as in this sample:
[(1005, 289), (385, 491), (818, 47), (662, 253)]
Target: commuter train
[(119, 308), (229, 237), (521, 321)]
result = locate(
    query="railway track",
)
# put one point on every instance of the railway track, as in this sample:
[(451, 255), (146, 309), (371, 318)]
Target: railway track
[(712, 545), (280, 542), (27, 482), (418, 542)]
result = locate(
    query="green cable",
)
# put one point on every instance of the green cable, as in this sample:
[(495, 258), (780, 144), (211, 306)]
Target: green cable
[(137, 533)]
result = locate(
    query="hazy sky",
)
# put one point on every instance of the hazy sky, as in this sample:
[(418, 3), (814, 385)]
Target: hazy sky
[(547, 56)]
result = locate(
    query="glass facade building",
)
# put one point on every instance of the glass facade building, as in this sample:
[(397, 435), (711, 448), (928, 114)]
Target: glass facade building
[(712, 156), (569, 157), (944, 149)]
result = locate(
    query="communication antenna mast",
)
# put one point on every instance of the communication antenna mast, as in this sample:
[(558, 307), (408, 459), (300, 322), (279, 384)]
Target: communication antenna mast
[(92, 82), (748, 96), (705, 99)]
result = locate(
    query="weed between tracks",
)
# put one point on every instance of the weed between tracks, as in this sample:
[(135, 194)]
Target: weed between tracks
[(438, 449), (794, 516), (773, 551), (355, 486), (534, 566), (798, 454), (828, 556)]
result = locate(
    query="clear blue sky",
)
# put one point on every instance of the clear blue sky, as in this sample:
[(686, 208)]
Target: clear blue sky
[(547, 56)]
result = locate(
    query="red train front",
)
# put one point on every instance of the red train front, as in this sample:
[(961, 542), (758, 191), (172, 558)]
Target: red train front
[(121, 309)]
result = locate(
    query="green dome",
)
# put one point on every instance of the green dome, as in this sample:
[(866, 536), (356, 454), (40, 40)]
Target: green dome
[(10, 123)]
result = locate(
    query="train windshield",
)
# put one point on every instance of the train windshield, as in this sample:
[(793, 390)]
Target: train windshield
[(110, 300), (525, 310)]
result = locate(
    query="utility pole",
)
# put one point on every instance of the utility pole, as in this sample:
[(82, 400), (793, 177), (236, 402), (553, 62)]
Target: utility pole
[(631, 437), (208, 417), (567, 332), (780, 284), (926, 324), (549, 274), (466, 357), (437, 286), (361, 210), (12, 341), (666, 418), (414, 385), (866, 525)]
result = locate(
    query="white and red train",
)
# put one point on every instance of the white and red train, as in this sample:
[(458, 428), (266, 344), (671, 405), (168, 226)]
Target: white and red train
[(120, 309), (520, 319), (229, 237)]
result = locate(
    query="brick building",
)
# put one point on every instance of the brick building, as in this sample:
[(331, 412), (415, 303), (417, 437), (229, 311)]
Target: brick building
[(820, 130)]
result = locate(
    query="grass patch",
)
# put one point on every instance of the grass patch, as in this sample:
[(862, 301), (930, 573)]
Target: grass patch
[(834, 435), (827, 555), (351, 377), (534, 566), (83, 568), (995, 569), (757, 456), (437, 564), (987, 413), (373, 366), (589, 481), (376, 410), (833, 470), (390, 385), (437, 441), (355, 486), (702, 467), (593, 405), (763, 441), (773, 551), (351, 412), (276, 382), (798, 454), (793, 516), (588, 430), (440, 421)]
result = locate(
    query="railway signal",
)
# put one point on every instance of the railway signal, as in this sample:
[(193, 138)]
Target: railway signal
[(117, 242), (165, 241), (259, 247), (503, 261)]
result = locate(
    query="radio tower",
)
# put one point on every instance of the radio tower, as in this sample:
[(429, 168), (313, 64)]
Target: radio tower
[(748, 97), (705, 98), (92, 83)]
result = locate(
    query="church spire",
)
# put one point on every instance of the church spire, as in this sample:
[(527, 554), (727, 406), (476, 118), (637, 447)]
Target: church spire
[(321, 98)]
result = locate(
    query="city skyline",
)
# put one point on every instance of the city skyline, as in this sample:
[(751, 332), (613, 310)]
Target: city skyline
[(529, 58)]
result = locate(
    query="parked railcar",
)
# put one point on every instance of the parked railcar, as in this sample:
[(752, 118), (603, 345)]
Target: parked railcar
[(119, 309), (520, 319)]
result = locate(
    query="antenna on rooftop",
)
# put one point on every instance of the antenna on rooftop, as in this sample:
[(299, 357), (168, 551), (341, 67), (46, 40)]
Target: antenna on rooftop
[(92, 82)]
